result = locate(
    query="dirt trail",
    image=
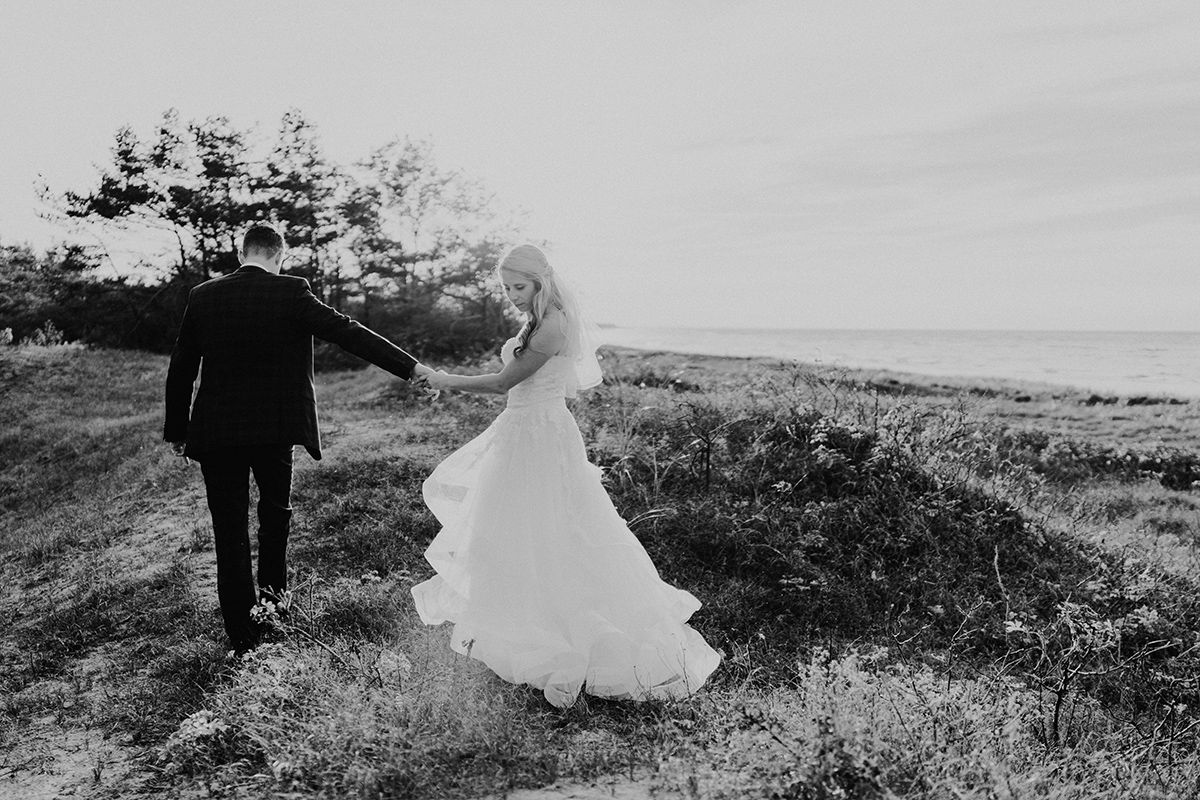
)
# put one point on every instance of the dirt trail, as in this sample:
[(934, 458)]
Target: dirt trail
[(614, 789), (61, 754)]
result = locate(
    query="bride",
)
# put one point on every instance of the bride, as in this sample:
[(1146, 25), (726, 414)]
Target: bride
[(544, 581)]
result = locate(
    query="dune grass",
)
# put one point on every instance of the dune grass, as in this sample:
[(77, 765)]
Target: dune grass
[(105, 642), (920, 590)]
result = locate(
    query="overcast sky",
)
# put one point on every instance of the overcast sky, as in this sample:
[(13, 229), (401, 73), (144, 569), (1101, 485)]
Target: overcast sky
[(790, 164)]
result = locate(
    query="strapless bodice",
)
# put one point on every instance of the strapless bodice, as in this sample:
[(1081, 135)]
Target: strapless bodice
[(548, 383)]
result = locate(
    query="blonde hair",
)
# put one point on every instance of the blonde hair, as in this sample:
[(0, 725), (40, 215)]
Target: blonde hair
[(529, 262)]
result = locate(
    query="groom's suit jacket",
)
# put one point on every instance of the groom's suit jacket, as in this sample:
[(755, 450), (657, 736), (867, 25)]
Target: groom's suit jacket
[(249, 334)]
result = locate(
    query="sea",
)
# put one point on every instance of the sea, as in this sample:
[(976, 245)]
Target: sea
[(1128, 364)]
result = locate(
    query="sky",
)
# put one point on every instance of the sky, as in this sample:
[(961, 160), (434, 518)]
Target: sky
[(882, 165)]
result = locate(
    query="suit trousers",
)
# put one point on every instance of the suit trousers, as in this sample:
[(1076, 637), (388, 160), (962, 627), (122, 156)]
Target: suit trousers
[(227, 484)]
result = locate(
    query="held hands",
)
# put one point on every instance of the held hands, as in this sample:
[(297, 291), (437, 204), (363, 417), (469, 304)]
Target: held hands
[(428, 381), (437, 380)]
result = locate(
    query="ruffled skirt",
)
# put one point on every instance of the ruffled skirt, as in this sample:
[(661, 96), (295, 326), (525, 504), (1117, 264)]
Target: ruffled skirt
[(543, 580)]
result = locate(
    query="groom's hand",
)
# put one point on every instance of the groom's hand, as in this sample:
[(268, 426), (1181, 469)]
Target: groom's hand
[(420, 375)]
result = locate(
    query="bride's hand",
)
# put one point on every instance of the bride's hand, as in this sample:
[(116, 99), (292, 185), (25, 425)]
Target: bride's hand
[(436, 380)]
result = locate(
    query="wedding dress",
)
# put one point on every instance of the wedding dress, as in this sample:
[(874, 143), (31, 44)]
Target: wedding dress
[(543, 580)]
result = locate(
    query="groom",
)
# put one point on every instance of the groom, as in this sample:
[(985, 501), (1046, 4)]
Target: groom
[(252, 331)]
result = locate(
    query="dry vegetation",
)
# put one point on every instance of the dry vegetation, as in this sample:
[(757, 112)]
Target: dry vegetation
[(922, 589)]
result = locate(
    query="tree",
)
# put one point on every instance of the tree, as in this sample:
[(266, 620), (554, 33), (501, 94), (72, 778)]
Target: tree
[(217, 192), (426, 240), (399, 241), (190, 184), (25, 292), (301, 190)]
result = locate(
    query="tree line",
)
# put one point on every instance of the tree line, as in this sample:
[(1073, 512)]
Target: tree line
[(394, 240)]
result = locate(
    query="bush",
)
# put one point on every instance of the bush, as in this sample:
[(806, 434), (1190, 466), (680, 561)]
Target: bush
[(793, 525), (1068, 461), (798, 524)]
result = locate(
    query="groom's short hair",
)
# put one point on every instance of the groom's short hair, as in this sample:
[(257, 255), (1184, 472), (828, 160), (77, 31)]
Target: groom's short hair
[(263, 238)]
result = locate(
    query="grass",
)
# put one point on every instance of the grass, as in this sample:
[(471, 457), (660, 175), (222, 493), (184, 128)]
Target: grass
[(68, 421), (105, 641), (921, 589)]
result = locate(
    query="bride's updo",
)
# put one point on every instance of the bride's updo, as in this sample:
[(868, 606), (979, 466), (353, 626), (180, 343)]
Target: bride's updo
[(530, 263)]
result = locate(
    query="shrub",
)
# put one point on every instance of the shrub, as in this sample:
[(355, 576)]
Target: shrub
[(794, 526), (1069, 461)]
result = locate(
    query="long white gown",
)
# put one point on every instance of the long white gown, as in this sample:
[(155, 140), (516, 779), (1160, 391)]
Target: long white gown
[(540, 575)]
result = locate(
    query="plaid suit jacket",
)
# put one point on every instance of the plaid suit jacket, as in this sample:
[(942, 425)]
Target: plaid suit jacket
[(249, 335)]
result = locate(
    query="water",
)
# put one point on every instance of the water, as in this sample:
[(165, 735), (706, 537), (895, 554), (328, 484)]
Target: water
[(1124, 363)]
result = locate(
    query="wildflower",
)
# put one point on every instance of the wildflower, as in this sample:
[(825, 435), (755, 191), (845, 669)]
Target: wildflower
[(393, 666), (263, 610), (200, 725)]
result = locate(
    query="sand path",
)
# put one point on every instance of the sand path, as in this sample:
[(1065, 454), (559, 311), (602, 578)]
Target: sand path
[(61, 755)]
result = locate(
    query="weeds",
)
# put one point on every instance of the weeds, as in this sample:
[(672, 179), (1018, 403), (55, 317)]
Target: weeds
[(362, 515), (913, 599), (862, 725), (320, 710)]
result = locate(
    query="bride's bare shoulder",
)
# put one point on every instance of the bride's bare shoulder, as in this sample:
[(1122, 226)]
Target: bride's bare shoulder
[(551, 335)]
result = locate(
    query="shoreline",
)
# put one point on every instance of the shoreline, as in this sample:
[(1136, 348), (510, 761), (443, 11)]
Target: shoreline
[(1125, 364), (893, 381), (1109, 420)]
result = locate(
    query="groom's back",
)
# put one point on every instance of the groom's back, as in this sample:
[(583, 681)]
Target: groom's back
[(246, 324), (256, 382)]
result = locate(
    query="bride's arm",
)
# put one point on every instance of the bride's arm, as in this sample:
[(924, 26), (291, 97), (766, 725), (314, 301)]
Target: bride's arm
[(515, 371), (547, 341)]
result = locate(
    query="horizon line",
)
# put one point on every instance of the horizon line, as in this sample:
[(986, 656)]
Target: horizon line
[(727, 329)]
